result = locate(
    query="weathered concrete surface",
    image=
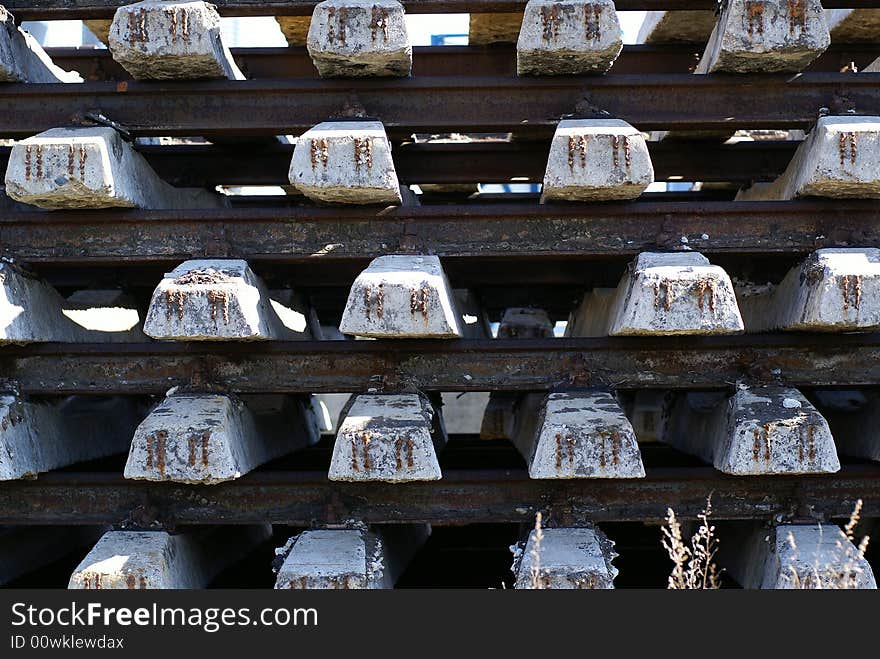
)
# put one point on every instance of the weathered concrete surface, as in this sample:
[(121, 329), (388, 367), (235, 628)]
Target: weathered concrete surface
[(839, 158), (568, 37), (596, 160), (766, 36), (213, 300), (833, 290), (100, 27), (645, 409), (691, 26), (36, 437), (348, 558), (24, 549), (160, 40), (873, 67), (854, 417), (388, 437), (295, 29), (566, 558), (139, 560), (463, 411), (92, 167), (797, 556), (345, 162), (576, 435), (486, 29), (212, 438), (402, 296), (853, 25), (757, 431), (349, 38), (661, 294), (22, 58)]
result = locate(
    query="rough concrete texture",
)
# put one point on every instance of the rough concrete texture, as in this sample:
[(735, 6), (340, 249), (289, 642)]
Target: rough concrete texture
[(833, 290), (295, 29), (213, 300), (36, 437), (27, 548), (873, 67), (644, 409), (160, 40), (92, 167), (853, 25), (346, 162), (140, 560), (100, 27), (525, 323), (661, 294), (349, 38), (463, 411), (387, 437), (757, 431), (212, 438), (486, 29), (691, 26), (799, 556), (348, 558), (839, 158), (402, 296), (596, 160), (566, 558), (766, 36), (22, 58), (576, 435), (853, 416), (568, 37)]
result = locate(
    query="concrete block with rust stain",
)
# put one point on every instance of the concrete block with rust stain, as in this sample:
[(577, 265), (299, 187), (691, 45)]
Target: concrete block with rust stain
[(756, 431), (565, 558), (853, 25), (349, 38), (690, 26), (796, 556), (214, 300), (388, 437), (839, 158), (92, 167), (148, 560), (22, 58), (159, 40), (854, 417), (486, 29), (212, 438), (833, 290), (766, 36), (596, 160), (345, 162), (37, 436), (402, 296), (348, 558), (661, 294), (561, 37), (576, 435)]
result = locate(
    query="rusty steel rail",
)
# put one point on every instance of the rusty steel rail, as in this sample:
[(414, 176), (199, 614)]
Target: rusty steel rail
[(527, 106), (461, 497), (526, 231), (32, 10), (459, 365)]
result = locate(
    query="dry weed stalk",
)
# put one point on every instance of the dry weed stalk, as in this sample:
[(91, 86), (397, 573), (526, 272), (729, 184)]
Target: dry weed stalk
[(537, 582), (694, 564)]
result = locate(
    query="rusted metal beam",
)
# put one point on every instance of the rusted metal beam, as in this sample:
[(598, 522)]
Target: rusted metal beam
[(528, 106), (461, 497), (468, 365)]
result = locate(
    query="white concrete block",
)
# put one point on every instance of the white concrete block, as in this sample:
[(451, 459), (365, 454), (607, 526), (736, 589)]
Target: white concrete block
[(402, 296), (566, 558), (22, 58), (853, 25), (24, 549), (345, 162), (661, 294), (839, 158), (873, 67), (214, 300), (690, 26), (596, 160), (854, 417), (348, 558), (140, 560), (833, 290), (766, 36), (757, 431), (212, 438), (349, 38), (463, 411), (36, 437), (92, 167), (387, 437), (485, 29), (645, 409), (568, 37), (161, 40)]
